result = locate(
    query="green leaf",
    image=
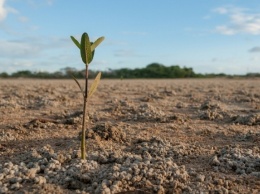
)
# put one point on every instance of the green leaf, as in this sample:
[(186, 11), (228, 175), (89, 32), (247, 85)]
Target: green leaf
[(94, 85), (78, 85), (93, 51), (75, 41), (85, 49), (97, 42)]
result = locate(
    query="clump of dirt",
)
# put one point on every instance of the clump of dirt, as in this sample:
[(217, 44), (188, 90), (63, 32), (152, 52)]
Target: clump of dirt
[(212, 110), (40, 124), (146, 112), (73, 118), (142, 112), (251, 119), (106, 131), (210, 105), (239, 160), (5, 135), (211, 115)]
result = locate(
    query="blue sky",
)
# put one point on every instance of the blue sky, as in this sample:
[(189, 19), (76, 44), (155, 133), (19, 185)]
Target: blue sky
[(208, 35)]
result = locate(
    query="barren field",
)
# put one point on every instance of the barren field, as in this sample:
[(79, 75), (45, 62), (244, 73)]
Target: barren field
[(145, 136)]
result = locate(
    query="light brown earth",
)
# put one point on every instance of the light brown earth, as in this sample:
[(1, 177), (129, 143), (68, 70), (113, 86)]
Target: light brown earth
[(210, 129)]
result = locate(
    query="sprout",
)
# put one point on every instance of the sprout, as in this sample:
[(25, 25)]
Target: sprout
[(87, 51)]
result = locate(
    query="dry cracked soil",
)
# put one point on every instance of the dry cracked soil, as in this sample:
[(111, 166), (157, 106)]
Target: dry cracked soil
[(144, 136)]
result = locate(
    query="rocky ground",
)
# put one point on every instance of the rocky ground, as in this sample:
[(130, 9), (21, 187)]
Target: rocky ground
[(144, 136)]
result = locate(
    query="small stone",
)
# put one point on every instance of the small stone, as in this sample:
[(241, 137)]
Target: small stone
[(40, 180), (31, 173), (95, 185), (8, 165), (114, 189), (2, 176), (136, 178), (218, 182), (15, 186), (200, 177), (3, 189), (215, 161), (85, 178), (160, 190), (106, 191)]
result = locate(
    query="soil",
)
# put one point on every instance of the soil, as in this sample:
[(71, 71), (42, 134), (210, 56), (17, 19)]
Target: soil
[(144, 136)]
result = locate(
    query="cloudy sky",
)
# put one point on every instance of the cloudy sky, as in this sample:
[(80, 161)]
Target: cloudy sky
[(208, 35)]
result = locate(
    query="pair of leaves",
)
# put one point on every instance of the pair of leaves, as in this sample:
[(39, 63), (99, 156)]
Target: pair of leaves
[(87, 48), (93, 87)]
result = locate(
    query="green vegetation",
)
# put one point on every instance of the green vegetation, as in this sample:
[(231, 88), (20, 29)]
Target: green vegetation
[(153, 70), (87, 51)]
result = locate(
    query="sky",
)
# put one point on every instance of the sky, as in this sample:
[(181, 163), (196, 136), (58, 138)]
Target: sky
[(210, 36)]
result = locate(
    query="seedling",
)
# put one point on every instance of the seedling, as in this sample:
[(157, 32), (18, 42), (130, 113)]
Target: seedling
[(87, 50)]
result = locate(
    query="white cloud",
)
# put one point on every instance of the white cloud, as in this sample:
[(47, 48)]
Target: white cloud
[(240, 21), (48, 53), (221, 10), (30, 47), (38, 4), (17, 49), (10, 65), (3, 10), (225, 30), (23, 64), (255, 58)]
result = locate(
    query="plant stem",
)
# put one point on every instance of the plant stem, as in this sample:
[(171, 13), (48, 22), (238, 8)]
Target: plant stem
[(83, 138)]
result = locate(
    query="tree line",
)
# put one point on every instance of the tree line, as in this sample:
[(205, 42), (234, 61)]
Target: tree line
[(153, 70)]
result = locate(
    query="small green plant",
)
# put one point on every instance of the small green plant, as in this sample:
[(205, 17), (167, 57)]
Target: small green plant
[(87, 51)]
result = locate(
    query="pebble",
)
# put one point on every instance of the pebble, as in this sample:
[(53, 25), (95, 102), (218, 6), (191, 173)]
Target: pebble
[(200, 177)]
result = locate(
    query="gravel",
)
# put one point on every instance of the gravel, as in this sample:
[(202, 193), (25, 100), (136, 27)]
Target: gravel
[(149, 165)]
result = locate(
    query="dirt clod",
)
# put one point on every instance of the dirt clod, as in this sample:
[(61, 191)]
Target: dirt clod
[(106, 131)]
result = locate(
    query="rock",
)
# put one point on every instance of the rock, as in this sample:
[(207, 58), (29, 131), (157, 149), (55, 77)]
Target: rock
[(200, 177)]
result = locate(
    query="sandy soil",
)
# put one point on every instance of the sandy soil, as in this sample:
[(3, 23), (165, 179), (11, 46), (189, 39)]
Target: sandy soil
[(148, 136)]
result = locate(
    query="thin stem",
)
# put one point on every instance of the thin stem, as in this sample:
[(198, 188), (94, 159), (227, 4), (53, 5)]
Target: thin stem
[(83, 138)]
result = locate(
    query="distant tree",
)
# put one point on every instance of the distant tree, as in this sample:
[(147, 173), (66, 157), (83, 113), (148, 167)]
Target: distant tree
[(68, 71), (188, 72), (57, 74), (4, 75), (25, 74), (42, 74), (253, 75), (153, 70), (156, 70)]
